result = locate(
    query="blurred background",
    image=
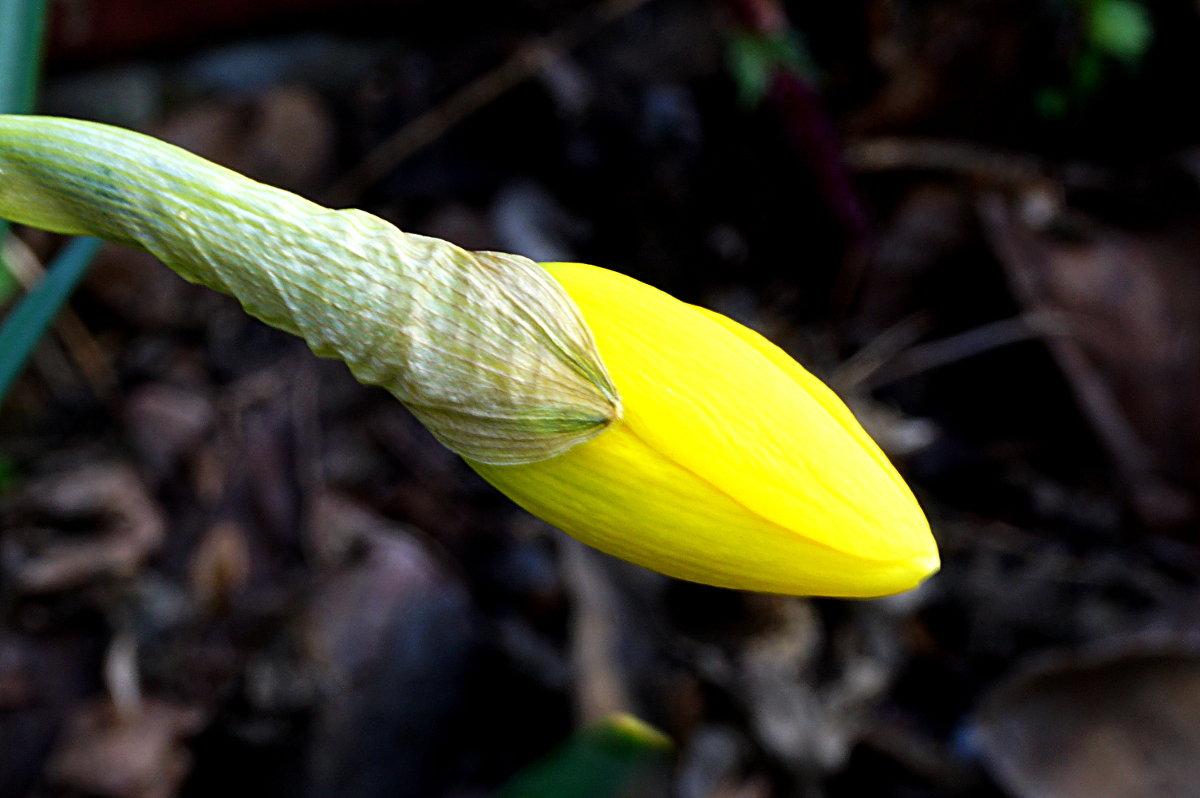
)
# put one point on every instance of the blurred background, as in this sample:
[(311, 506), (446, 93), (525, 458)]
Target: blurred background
[(226, 568)]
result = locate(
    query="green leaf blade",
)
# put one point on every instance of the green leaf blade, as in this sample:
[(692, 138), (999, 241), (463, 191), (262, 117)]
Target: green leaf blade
[(28, 321)]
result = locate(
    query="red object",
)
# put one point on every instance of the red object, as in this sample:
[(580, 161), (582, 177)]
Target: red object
[(815, 138), (760, 16), (91, 29)]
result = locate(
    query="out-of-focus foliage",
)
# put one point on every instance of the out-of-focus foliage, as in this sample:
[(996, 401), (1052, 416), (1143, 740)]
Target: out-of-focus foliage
[(1122, 29), (754, 58), (8, 473), (1114, 35)]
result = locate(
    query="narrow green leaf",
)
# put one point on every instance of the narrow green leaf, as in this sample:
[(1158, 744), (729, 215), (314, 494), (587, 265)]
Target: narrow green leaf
[(24, 326), (8, 284), (22, 24), (601, 761)]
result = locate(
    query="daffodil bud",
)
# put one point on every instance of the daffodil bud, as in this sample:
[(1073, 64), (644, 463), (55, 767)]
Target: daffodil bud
[(657, 431), (731, 466)]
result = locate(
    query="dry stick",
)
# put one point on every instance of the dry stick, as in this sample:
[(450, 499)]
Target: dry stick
[(858, 370), (1004, 169), (434, 123), (888, 154), (601, 684), (1035, 325), (122, 676)]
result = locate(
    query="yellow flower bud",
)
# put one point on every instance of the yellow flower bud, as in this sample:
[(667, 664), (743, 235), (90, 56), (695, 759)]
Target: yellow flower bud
[(731, 464), (656, 431)]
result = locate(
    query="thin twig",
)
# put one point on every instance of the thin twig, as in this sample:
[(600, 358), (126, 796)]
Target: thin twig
[(121, 675), (939, 155), (895, 355), (859, 369), (970, 343), (476, 95), (1153, 497)]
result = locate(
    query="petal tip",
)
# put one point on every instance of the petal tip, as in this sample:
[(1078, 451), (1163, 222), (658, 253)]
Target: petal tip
[(914, 571)]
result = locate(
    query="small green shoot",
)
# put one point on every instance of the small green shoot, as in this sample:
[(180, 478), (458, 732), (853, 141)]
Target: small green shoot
[(606, 760)]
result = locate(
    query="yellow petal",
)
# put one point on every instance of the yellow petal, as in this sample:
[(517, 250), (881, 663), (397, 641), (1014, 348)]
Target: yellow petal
[(731, 466)]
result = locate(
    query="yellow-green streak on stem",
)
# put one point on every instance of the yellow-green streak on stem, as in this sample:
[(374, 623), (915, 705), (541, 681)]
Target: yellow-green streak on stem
[(485, 348)]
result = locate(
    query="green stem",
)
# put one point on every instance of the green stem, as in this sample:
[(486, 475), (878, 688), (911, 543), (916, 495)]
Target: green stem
[(486, 349)]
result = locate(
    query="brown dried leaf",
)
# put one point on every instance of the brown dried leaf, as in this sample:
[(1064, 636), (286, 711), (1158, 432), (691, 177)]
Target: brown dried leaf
[(220, 566), (1124, 724), (1131, 350), (107, 754), (123, 527)]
